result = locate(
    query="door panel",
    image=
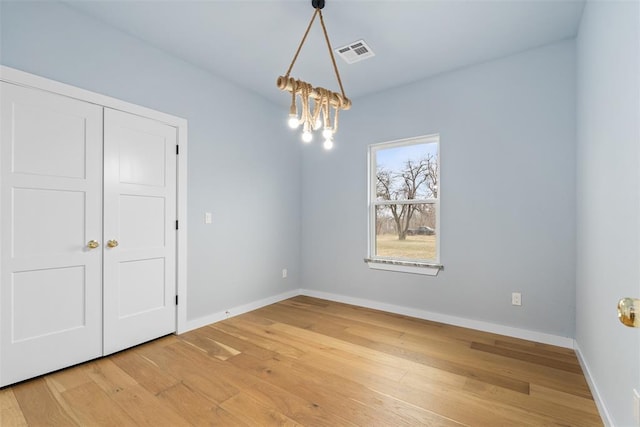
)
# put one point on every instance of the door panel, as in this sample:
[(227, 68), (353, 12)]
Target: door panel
[(50, 207), (143, 159), (150, 233), (140, 212), (139, 292), (64, 153), (63, 223), (60, 287)]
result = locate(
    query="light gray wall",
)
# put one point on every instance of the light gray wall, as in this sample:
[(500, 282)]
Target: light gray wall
[(244, 165), (507, 131), (508, 179), (608, 203)]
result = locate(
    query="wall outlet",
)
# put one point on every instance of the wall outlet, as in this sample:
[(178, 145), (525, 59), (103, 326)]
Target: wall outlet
[(516, 298), (636, 406), (284, 273), (207, 218)]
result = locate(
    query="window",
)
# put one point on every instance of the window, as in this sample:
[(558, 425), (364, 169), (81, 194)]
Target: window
[(404, 207)]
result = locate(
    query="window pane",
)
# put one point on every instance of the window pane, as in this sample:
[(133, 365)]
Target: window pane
[(406, 231), (407, 172)]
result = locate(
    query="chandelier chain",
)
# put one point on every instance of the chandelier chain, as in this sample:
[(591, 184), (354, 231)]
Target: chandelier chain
[(326, 37), (333, 59), (304, 38)]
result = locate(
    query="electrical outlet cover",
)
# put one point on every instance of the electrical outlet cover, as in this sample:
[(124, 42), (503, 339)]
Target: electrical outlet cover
[(516, 298)]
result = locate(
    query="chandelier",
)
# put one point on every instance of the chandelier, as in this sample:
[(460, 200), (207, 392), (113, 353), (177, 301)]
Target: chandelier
[(317, 114)]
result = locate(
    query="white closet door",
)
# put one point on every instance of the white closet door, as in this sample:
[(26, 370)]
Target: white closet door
[(140, 215), (50, 208)]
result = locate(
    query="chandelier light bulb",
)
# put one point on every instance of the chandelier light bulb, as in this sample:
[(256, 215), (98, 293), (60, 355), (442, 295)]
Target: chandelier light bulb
[(328, 144), (293, 121), (307, 136), (327, 133)]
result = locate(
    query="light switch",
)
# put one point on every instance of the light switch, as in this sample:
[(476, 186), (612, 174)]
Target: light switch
[(207, 217)]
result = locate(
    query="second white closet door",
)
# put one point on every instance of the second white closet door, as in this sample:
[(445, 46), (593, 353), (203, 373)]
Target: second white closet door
[(139, 222)]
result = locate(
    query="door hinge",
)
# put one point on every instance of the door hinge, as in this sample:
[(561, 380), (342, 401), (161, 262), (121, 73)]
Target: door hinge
[(176, 299), (177, 150), (176, 224)]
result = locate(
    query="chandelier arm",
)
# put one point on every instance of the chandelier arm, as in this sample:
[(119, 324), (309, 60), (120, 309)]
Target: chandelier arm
[(293, 109), (306, 108), (333, 59), (304, 38), (317, 108), (334, 98), (303, 115), (327, 113)]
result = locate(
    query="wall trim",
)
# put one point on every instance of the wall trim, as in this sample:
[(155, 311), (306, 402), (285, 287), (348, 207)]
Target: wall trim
[(396, 309), (22, 78), (495, 328), (595, 392), (238, 310)]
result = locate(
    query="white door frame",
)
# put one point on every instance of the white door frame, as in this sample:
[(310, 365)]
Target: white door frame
[(11, 75)]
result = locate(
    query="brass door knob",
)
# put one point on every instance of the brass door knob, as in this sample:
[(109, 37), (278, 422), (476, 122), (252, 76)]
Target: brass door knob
[(628, 310), (93, 244), (112, 243)]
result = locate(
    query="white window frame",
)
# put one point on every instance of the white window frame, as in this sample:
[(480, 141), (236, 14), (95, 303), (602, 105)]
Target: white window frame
[(428, 267)]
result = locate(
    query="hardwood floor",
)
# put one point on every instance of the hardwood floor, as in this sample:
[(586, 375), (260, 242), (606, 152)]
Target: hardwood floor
[(312, 362)]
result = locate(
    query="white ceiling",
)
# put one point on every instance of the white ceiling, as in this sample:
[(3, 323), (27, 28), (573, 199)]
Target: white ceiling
[(251, 43)]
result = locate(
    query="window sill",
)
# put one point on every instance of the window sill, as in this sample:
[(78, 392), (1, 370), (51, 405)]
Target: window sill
[(404, 266)]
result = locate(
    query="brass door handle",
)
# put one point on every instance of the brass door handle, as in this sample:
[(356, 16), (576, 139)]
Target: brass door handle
[(93, 244), (628, 309), (112, 243)]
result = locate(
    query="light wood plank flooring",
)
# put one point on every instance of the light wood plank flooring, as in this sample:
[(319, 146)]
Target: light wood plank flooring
[(311, 362)]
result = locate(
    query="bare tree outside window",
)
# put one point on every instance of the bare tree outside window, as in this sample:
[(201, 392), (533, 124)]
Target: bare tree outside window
[(405, 202), (417, 180)]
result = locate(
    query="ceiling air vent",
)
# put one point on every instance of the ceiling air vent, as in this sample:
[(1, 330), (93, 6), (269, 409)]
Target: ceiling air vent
[(354, 52)]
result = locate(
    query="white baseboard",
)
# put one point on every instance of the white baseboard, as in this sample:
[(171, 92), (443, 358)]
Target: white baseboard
[(449, 320), (597, 397), (397, 309), (236, 311)]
